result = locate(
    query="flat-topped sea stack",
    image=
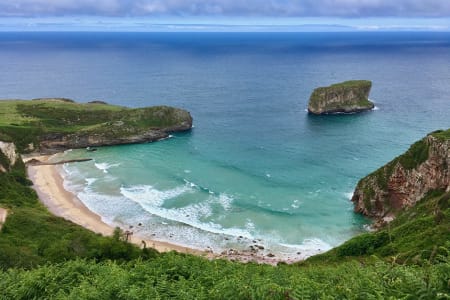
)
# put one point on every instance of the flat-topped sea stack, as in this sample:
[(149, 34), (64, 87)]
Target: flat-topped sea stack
[(345, 97), (52, 125)]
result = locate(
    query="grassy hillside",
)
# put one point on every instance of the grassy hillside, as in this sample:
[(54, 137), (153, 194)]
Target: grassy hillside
[(26, 122), (419, 234)]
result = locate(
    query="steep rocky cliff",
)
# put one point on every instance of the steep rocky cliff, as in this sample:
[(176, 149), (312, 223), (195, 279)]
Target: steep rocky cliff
[(49, 125), (405, 180), (8, 156), (345, 97)]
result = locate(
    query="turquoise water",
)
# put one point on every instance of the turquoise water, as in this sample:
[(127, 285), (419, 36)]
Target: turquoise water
[(256, 166)]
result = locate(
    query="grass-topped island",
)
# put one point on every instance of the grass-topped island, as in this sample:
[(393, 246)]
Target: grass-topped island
[(52, 124), (345, 97)]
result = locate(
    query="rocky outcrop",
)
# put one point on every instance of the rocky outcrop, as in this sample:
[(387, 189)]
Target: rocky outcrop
[(60, 141), (57, 124), (405, 180), (8, 156), (345, 97)]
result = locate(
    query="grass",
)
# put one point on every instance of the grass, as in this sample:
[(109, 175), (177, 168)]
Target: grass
[(353, 84), (443, 135)]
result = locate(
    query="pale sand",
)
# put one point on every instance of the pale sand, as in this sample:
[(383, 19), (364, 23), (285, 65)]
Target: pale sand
[(49, 186)]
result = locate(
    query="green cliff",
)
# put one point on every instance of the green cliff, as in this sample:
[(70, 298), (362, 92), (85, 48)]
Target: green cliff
[(405, 180), (345, 97), (56, 124)]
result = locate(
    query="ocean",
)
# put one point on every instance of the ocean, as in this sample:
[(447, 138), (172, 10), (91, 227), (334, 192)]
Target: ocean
[(256, 168)]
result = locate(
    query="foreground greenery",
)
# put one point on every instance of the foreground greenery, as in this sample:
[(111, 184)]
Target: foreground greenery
[(26, 122), (176, 276)]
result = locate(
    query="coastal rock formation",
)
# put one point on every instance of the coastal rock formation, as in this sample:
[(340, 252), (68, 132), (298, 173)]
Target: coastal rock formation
[(56, 124), (405, 180), (345, 97), (8, 156)]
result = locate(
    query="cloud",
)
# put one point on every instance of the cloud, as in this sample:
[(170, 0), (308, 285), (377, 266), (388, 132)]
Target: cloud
[(239, 8)]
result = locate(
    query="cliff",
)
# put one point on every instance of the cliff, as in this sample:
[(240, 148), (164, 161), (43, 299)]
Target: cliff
[(405, 180), (345, 97), (8, 156), (49, 125)]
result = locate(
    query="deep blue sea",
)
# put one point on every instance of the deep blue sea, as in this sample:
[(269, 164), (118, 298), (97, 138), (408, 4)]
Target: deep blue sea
[(256, 165)]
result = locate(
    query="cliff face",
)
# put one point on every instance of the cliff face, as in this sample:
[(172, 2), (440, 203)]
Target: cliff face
[(115, 133), (346, 97), (8, 156), (405, 180)]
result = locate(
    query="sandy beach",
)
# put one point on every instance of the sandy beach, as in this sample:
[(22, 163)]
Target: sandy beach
[(49, 185)]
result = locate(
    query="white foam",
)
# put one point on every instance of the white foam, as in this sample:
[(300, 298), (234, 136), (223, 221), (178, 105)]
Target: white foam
[(105, 166), (148, 195), (250, 225), (296, 204), (225, 200), (268, 175), (187, 171), (375, 108), (151, 200), (191, 184), (90, 181), (349, 195)]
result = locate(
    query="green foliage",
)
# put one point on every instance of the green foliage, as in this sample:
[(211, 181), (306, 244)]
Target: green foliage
[(364, 244), (353, 84), (443, 135), (175, 276), (416, 154), (4, 161), (412, 237)]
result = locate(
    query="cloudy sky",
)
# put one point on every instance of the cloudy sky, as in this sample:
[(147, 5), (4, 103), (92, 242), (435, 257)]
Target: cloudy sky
[(353, 14)]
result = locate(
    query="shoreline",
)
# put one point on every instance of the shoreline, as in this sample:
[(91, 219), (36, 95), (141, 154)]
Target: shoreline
[(49, 185)]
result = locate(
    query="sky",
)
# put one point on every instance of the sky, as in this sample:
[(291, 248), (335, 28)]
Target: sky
[(225, 15)]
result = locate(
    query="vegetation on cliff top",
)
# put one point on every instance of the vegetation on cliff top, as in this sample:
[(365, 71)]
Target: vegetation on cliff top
[(25, 122), (443, 135)]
